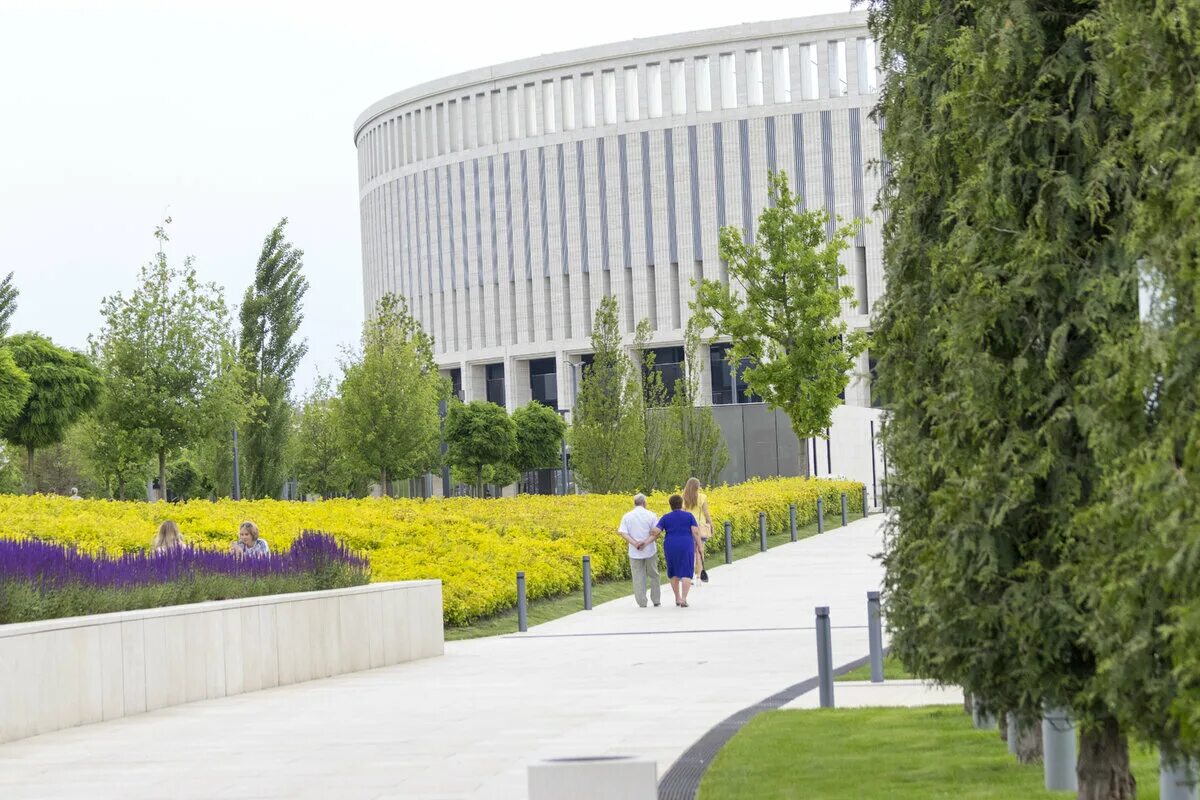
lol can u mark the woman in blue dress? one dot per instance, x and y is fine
(682, 537)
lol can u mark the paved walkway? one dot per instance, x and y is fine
(616, 680)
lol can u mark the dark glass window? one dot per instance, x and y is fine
(718, 370)
(744, 395)
(543, 381)
(494, 374)
(877, 400)
(668, 362)
(456, 383)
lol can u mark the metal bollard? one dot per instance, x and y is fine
(1176, 777)
(866, 510)
(762, 532)
(522, 609)
(1058, 751)
(875, 636)
(728, 542)
(820, 515)
(792, 520)
(845, 518)
(587, 583)
(824, 657)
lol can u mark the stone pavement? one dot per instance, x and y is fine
(616, 680)
(864, 694)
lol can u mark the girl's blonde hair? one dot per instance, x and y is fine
(250, 528)
(691, 493)
(168, 536)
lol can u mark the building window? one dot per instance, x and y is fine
(531, 115)
(809, 86)
(668, 363)
(589, 100)
(703, 84)
(548, 123)
(678, 88)
(568, 103)
(543, 381)
(456, 383)
(514, 114)
(728, 81)
(632, 112)
(726, 387)
(654, 90)
(781, 72)
(754, 68)
(494, 380)
(609, 80)
(868, 66)
(837, 68)
(497, 117)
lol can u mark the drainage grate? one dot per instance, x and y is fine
(683, 778)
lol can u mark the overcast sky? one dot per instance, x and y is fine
(229, 114)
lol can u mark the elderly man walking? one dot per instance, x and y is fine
(638, 529)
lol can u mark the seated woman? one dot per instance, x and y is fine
(249, 543)
(167, 538)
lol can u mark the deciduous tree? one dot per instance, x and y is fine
(323, 464)
(479, 436)
(539, 430)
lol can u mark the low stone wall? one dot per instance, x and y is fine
(60, 673)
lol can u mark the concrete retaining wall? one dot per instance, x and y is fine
(60, 673)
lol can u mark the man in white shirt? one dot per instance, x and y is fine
(638, 528)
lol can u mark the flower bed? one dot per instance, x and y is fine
(474, 546)
(45, 580)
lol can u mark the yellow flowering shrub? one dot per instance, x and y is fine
(474, 546)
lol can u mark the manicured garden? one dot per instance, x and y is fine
(894, 753)
(474, 546)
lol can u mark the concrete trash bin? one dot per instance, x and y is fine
(594, 778)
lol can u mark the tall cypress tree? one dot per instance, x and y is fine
(271, 315)
(1007, 201)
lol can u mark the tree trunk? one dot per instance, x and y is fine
(29, 484)
(1103, 766)
(120, 488)
(1002, 724)
(967, 709)
(162, 475)
(1029, 741)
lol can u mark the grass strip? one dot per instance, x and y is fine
(896, 753)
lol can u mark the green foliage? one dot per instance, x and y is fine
(479, 435)
(607, 429)
(540, 431)
(1006, 207)
(664, 464)
(116, 459)
(322, 461)
(1140, 573)
(64, 386)
(782, 309)
(704, 450)
(168, 360)
(15, 388)
(389, 396)
(8, 303)
(270, 318)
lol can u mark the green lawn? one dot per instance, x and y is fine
(893, 753)
(893, 670)
(550, 608)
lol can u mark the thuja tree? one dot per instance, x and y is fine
(664, 464)
(782, 309)
(608, 429)
(1006, 206)
(1143, 568)
(271, 351)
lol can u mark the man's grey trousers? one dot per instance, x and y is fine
(645, 569)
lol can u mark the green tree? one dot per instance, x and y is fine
(782, 309)
(664, 460)
(15, 388)
(479, 435)
(608, 427)
(116, 458)
(8, 303)
(539, 431)
(65, 385)
(270, 318)
(1006, 207)
(322, 462)
(389, 396)
(168, 360)
(703, 444)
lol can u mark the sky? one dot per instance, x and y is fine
(227, 115)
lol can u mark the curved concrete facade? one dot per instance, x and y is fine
(504, 202)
